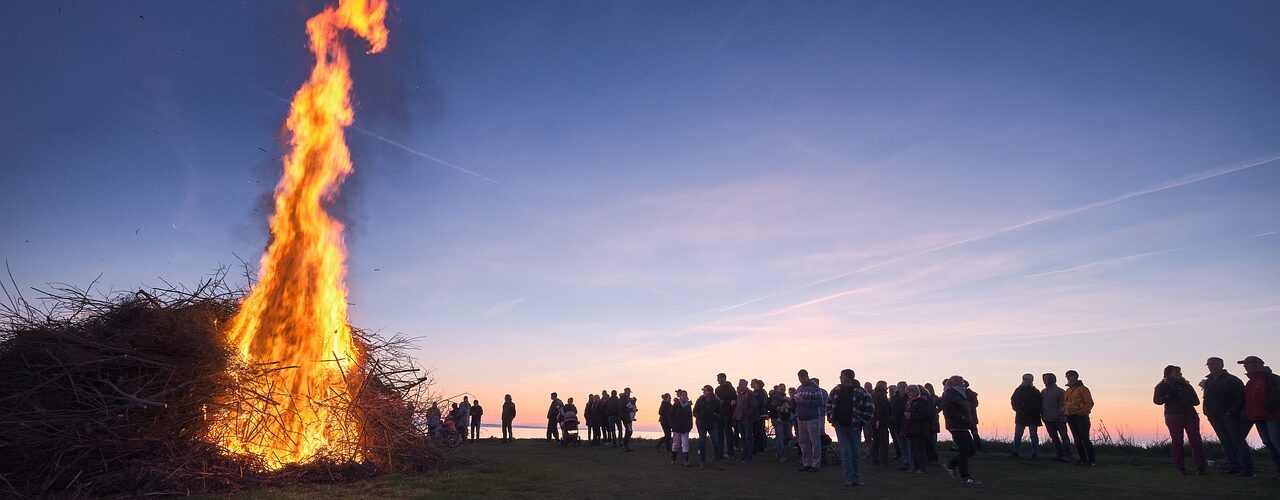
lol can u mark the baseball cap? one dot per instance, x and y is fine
(1250, 359)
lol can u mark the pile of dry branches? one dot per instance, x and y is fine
(114, 395)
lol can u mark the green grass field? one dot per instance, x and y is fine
(534, 469)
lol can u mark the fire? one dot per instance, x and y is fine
(295, 317)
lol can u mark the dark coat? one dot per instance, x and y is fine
(1223, 395)
(508, 410)
(681, 417)
(956, 410)
(1178, 397)
(918, 425)
(663, 410)
(613, 407)
(1026, 402)
(726, 394)
(972, 396)
(708, 412)
(897, 405)
(880, 399)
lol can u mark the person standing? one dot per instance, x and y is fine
(1055, 423)
(761, 404)
(663, 410)
(681, 418)
(628, 416)
(728, 401)
(706, 413)
(880, 424)
(935, 427)
(811, 402)
(851, 409)
(1077, 403)
(1224, 407)
(593, 424)
(1027, 403)
(973, 406)
(553, 418)
(897, 410)
(1262, 404)
(916, 426)
(780, 412)
(613, 411)
(1179, 400)
(508, 415)
(464, 417)
(745, 414)
(476, 413)
(956, 413)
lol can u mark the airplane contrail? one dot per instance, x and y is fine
(1155, 188)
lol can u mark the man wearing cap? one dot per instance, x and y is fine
(1224, 407)
(1262, 404)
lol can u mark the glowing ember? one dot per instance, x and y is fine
(296, 315)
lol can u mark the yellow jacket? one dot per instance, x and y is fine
(1077, 400)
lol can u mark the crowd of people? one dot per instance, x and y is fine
(727, 422)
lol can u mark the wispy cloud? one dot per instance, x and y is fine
(503, 306)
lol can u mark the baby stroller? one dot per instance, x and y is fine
(569, 426)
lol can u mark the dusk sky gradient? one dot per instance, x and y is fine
(571, 196)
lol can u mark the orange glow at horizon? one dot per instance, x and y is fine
(295, 317)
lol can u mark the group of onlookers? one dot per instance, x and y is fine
(463, 418)
(1233, 408)
(609, 417)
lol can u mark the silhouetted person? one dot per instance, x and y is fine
(935, 426)
(1026, 403)
(973, 405)
(508, 415)
(880, 424)
(1224, 407)
(476, 413)
(706, 412)
(1077, 403)
(628, 416)
(663, 412)
(851, 409)
(613, 408)
(1262, 404)
(916, 426)
(867, 430)
(762, 413)
(897, 409)
(781, 415)
(1180, 400)
(1055, 422)
(463, 417)
(553, 418)
(729, 434)
(681, 417)
(745, 414)
(811, 403)
(957, 412)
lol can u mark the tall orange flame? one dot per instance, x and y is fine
(296, 315)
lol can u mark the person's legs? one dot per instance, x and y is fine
(703, 434)
(1035, 440)
(726, 436)
(1244, 454)
(964, 446)
(1192, 425)
(1175, 425)
(1060, 427)
(626, 438)
(1017, 439)
(880, 446)
(1269, 431)
(931, 448)
(977, 440)
(748, 439)
(807, 429)
(1230, 452)
(897, 442)
(917, 451)
(849, 439)
(906, 452)
(1079, 425)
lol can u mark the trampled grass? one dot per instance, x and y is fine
(534, 469)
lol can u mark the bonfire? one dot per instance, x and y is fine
(173, 390)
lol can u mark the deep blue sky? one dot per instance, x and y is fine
(641, 188)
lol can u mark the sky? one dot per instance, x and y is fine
(576, 196)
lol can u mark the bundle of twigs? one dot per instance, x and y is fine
(114, 395)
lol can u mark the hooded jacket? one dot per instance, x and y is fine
(707, 410)
(956, 410)
(1027, 403)
(1051, 404)
(1262, 396)
(681, 416)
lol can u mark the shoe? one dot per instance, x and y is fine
(814, 469)
(782, 460)
(950, 470)
(850, 484)
(903, 467)
(805, 469)
(969, 481)
(917, 472)
(686, 463)
(1231, 471)
(1248, 474)
(673, 461)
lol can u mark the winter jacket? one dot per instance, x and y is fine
(850, 406)
(707, 410)
(613, 407)
(811, 402)
(1262, 396)
(897, 405)
(663, 412)
(880, 399)
(1076, 400)
(727, 395)
(681, 416)
(934, 410)
(1223, 395)
(973, 406)
(761, 403)
(1177, 396)
(747, 410)
(476, 413)
(956, 410)
(1051, 404)
(918, 424)
(1026, 402)
(508, 411)
(553, 411)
